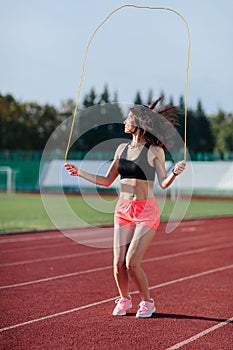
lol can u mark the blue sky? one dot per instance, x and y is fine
(43, 44)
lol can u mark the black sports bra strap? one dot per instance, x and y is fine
(124, 152)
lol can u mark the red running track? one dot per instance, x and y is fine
(58, 294)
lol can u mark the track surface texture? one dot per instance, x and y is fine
(59, 294)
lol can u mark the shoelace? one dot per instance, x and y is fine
(143, 306)
(120, 301)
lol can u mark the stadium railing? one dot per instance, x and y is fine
(26, 165)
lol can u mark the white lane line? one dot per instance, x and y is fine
(71, 239)
(156, 242)
(47, 279)
(38, 237)
(223, 268)
(164, 242)
(78, 231)
(185, 239)
(188, 229)
(108, 238)
(73, 243)
(58, 257)
(201, 334)
(39, 247)
(50, 236)
(192, 223)
(193, 251)
(56, 315)
(96, 240)
(164, 257)
(204, 273)
(73, 233)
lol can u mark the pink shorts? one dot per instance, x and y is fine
(145, 213)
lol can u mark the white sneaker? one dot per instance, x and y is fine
(146, 309)
(123, 304)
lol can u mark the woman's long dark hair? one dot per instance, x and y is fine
(156, 126)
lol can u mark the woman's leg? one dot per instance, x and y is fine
(137, 248)
(122, 238)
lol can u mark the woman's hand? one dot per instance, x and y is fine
(179, 168)
(72, 169)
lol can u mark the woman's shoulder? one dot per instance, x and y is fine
(156, 149)
(120, 149)
(155, 154)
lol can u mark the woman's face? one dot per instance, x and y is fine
(129, 124)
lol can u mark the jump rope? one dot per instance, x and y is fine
(85, 59)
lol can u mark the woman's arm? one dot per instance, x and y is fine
(166, 180)
(105, 180)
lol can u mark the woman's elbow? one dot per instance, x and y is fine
(163, 185)
(107, 183)
(103, 183)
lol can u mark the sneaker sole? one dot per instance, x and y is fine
(116, 314)
(146, 316)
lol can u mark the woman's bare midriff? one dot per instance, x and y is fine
(134, 189)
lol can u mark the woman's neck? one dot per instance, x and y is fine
(137, 138)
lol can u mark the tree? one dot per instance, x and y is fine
(90, 99)
(25, 126)
(66, 108)
(199, 134)
(163, 99)
(180, 117)
(171, 102)
(181, 103)
(150, 97)
(222, 128)
(205, 136)
(115, 97)
(100, 123)
(104, 97)
(138, 99)
(191, 131)
(12, 126)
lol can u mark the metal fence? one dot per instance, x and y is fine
(25, 165)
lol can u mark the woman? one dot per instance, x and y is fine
(137, 214)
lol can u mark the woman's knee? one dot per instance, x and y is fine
(119, 264)
(132, 264)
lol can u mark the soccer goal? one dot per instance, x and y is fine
(8, 179)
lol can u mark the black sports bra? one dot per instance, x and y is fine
(138, 168)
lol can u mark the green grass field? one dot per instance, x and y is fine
(25, 212)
